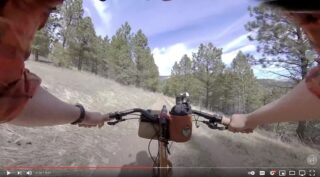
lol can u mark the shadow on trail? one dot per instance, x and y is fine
(140, 168)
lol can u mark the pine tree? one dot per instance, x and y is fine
(41, 44)
(71, 14)
(207, 66)
(102, 49)
(187, 81)
(147, 75)
(59, 56)
(246, 86)
(186, 73)
(173, 84)
(123, 69)
(282, 44)
(225, 85)
(53, 26)
(81, 44)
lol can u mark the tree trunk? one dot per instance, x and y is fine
(80, 63)
(138, 78)
(36, 55)
(300, 129)
(64, 41)
(207, 96)
(94, 67)
(304, 69)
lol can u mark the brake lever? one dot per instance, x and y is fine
(116, 122)
(217, 127)
(222, 128)
(112, 123)
(213, 125)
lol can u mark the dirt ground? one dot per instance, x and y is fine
(213, 152)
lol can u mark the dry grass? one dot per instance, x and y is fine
(72, 146)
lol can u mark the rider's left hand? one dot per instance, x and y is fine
(94, 119)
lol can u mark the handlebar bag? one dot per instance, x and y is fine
(180, 123)
(148, 129)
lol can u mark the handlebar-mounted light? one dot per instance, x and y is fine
(183, 98)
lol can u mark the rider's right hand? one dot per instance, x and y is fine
(240, 123)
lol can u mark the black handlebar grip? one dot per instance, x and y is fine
(113, 115)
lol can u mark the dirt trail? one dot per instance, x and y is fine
(120, 145)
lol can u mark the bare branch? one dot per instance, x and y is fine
(286, 76)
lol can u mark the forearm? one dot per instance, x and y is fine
(45, 109)
(299, 104)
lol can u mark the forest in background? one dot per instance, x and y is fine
(69, 40)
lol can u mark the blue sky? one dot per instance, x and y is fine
(178, 27)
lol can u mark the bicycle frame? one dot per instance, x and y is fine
(164, 165)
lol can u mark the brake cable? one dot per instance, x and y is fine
(169, 147)
(196, 120)
(121, 120)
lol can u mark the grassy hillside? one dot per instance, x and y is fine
(269, 83)
(117, 146)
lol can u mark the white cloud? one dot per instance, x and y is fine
(241, 43)
(216, 33)
(100, 7)
(231, 49)
(229, 56)
(237, 43)
(105, 17)
(166, 57)
(232, 28)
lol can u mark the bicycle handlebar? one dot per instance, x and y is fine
(145, 113)
(213, 119)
